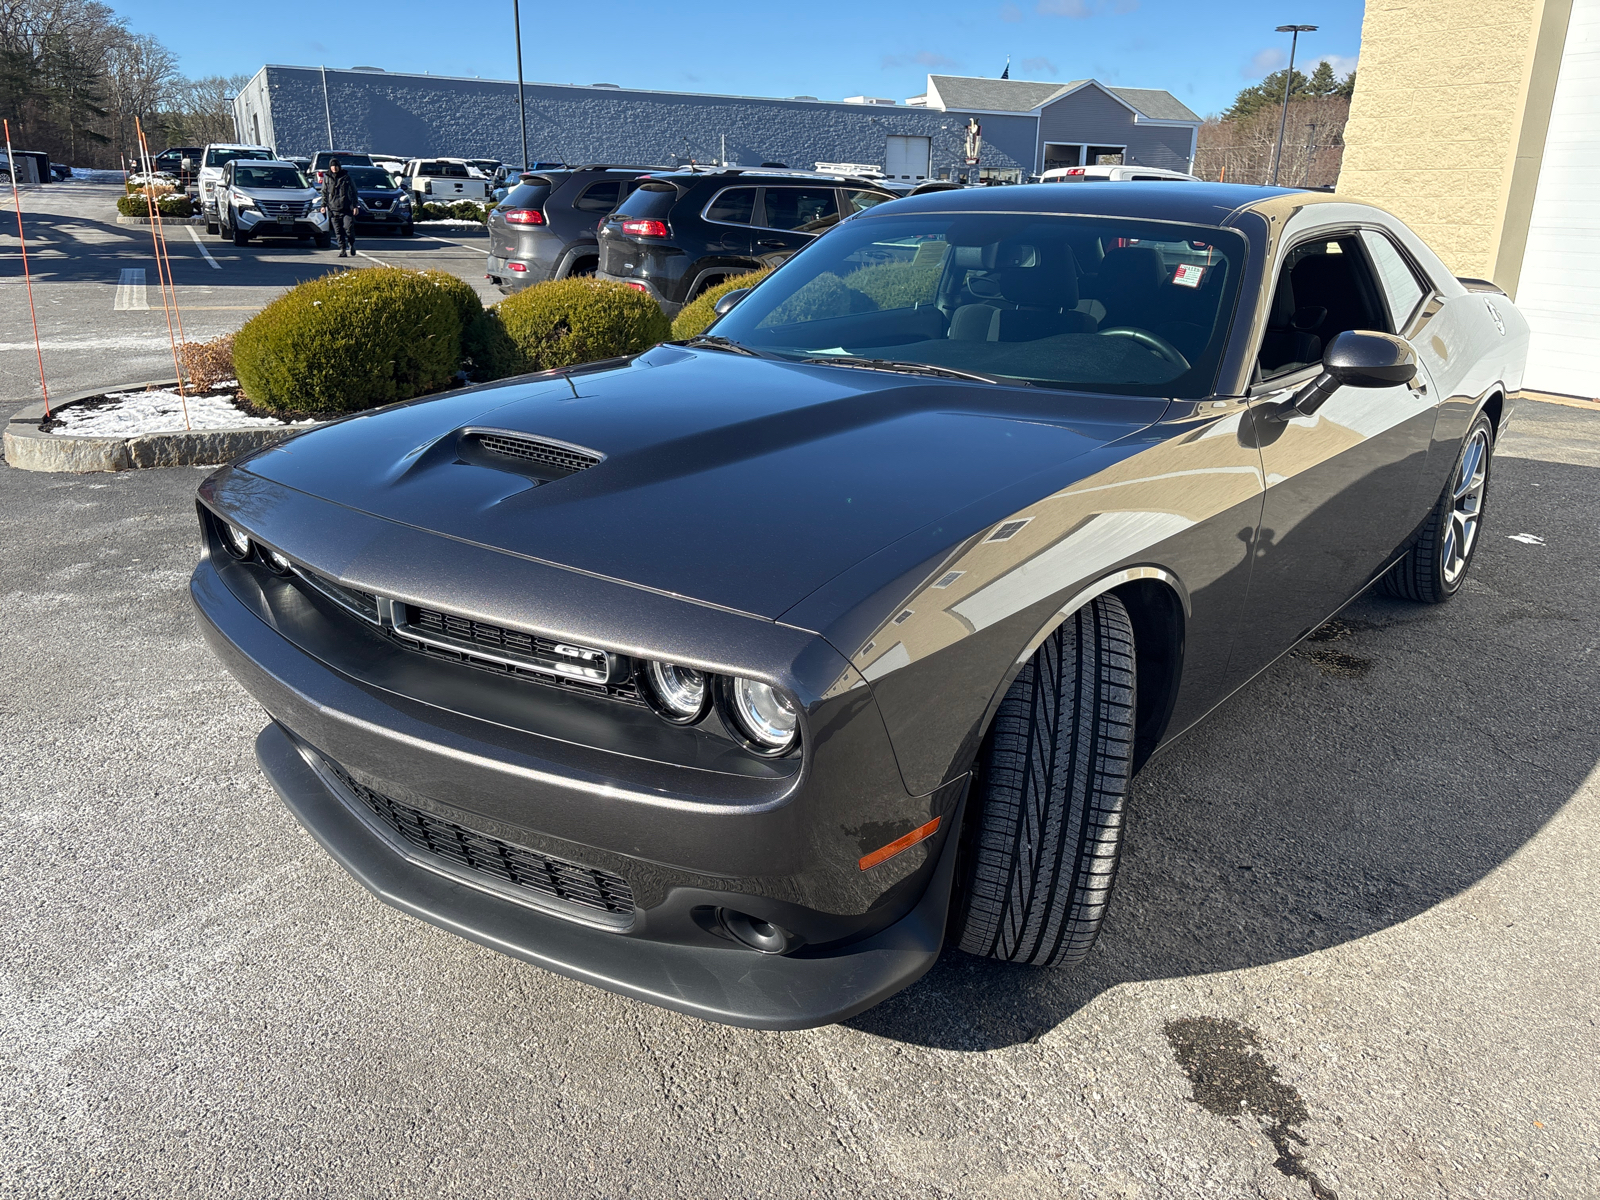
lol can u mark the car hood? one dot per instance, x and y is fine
(280, 194)
(739, 482)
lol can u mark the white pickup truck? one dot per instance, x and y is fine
(216, 156)
(443, 181)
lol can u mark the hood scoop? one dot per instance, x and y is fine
(544, 459)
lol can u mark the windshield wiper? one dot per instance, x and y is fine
(913, 368)
(713, 342)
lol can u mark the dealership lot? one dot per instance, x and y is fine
(1354, 953)
(98, 299)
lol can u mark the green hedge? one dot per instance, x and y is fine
(696, 316)
(458, 210)
(169, 206)
(570, 321)
(352, 340)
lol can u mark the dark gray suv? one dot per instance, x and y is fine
(546, 227)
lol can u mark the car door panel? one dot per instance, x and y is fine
(1342, 485)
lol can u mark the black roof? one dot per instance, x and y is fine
(1198, 203)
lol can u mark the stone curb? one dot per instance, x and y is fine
(30, 450)
(122, 220)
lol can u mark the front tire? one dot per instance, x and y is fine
(240, 237)
(1041, 850)
(1435, 567)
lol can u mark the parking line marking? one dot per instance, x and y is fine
(369, 258)
(130, 290)
(433, 237)
(214, 263)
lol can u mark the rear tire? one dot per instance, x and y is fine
(211, 227)
(324, 240)
(1041, 849)
(406, 231)
(1435, 567)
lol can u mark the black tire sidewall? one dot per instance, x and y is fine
(1447, 502)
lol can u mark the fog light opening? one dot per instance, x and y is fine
(759, 935)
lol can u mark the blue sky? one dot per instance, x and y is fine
(1203, 53)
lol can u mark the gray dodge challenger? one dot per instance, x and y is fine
(738, 675)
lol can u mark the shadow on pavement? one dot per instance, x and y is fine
(1329, 800)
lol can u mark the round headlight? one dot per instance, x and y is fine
(235, 539)
(273, 559)
(764, 715)
(677, 693)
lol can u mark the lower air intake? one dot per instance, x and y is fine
(541, 874)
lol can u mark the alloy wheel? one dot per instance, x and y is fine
(1466, 505)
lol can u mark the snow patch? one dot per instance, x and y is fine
(127, 414)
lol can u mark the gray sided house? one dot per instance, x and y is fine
(1027, 127)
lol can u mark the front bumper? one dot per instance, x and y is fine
(732, 986)
(391, 217)
(537, 772)
(261, 225)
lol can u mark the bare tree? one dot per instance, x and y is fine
(1241, 151)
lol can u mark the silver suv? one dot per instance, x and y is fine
(257, 198)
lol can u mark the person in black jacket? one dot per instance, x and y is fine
(339, 193)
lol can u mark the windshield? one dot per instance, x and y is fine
(1101, 303)
(370, 177)
(221, 158)
(268, 177)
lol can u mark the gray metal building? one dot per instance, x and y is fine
(1026, 127)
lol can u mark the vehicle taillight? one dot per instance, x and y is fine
(517, 266)
(645, 228)
(1074, 170)
(638, 287)
(523, 216)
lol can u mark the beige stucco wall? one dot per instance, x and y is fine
(1447, 125)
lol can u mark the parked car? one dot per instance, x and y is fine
(181, 162)
(260, 198)
(215, 157)
(443, 181)
(383, 201)
(1114, 174)
(735, 685)
(347, 158)
(681, 232)
(395, 164)
(60, 171)
(302, 161)
(487, 167)
(545, 227)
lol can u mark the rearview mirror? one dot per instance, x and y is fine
(1356, 358)
(726, 302)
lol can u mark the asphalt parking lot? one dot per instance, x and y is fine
(100, 327)
(1355, 952)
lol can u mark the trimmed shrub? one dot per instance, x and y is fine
(135, 205)
(696, 316)
(570, 321)
(350, 340)
(487, 351)
(207, 363)
(456, 210)
(461, 294)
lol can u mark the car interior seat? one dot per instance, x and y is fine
(1129, 285)
(1036, 298)
(1289, 342)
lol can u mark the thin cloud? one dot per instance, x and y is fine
(1265, 62)
(1342, 64)
(1010, 14)
(1077, 9)
(922, 58)
(1039, 64)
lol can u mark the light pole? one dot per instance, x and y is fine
(522, 107)
(1288, 82)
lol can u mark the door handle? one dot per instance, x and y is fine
(772, 245)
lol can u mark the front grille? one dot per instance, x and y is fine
(363, 604)
(464, 635)
(537, 450)
(292, 208)
(541, 874)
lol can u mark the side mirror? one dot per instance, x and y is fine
(727, 302)
(1356, 358)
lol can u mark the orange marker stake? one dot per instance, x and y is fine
(16, 199)
(161, 275)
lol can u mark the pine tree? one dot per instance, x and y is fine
(1267, 93)
(1323, 81)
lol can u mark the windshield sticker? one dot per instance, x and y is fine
(1188, 275)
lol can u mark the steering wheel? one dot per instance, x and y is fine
(1150, 341)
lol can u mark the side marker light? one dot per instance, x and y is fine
(884, 853)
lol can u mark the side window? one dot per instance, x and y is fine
(801, 209)
(861, 201)
(732, 207)
(599, 197)
(1400, 284)
(1324, 289)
